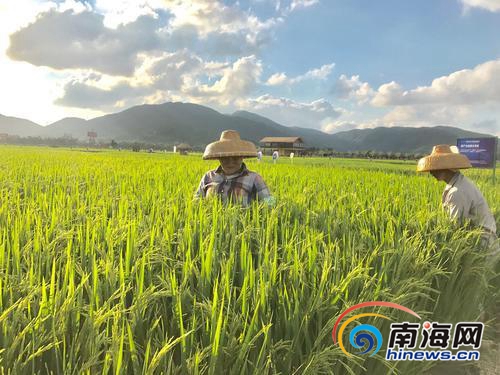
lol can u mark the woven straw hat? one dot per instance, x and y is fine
(230, 144)
(443, 157)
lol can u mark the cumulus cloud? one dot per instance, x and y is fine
(474, 118)
(68, 40)
(235, 81)
(226, 28)
(426, 115)
(491, 5)
(282, 79)
(110, 54)
(121, 12)
(333, 127)
(466, 87)
(77, 37)
(353, 88)
(293, 113)
(296, 4)
(467, 98)
(299, 4)
(168, 72)
(388, 94)
(209, 16)
(288, 6)
(84, 95)
(186, 76)
(277, 79)
(171, 70)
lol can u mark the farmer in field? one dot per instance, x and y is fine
(232, 181)
(461, 198)
(276, 155)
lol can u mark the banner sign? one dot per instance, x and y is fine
(480, 151)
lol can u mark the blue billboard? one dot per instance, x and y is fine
(480, 151)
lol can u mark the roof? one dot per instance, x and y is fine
(183, 146)
(282, 139)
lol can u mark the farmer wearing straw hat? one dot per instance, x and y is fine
(461, 198)
(232, 181)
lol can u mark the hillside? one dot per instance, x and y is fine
(172, 123)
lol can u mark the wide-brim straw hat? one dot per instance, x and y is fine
(230, 144)
(443, 157)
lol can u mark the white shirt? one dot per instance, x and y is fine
(463, 200)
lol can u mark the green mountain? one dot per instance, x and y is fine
(400, 139)
(313, 137)
(18, 126)
(172, 123)
(382, 139)
(73, 126)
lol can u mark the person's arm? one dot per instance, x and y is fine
(262, 191)
(200, 193)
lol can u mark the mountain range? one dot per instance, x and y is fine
(172, 123)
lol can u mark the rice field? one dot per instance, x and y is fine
(109, 266)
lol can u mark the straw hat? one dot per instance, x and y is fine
(443, 157)
(230, 144)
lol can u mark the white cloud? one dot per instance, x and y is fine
(96, 56)
(321, 73)
(35, 103)
(121, 12)
(235, 82)
(491, 5)
(353, 88)
(475, 118)
(73, 5)
(479, 85)
(388, 94)
(426, 115)
(109, 36)
(170, 70)
(17, 14)
(277, 79)
(297, 4)
(469, 98)
(71, 40)
(293, 113)
(318, 106)
(83, 95)
(334, 126)
(209, 16)
(288, 6)
(183, 76)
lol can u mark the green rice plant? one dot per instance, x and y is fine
(108, 264)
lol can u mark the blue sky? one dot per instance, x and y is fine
(332, 65)
(408, 41)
